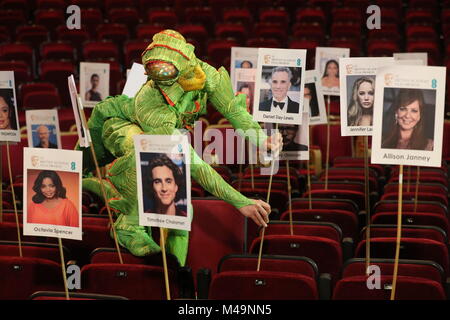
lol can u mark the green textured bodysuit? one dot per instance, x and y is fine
(159, 109)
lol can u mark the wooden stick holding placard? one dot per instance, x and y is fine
(14, 199)
(416, 193)
(367, 202)
(267, 201)
(399, 231)
(409, 179)
(327, 155)
(308, 169)
(291, 228)
(99, 176)
(162, 241)
(252, 177)
(241, 160)
(63, 268)
(309, 185)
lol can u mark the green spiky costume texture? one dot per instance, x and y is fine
(162, 106)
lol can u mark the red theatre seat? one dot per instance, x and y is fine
(58, 295)
(221, 227)
(58, 50)
(304, 228)
(41, 100)
(262, 285)
(100, 50)
(12, 18)
(20, 277)
(337, 204)
(408, 231)
(17, 51)
(411, 268)
(32, 34)
(165, 18)
(319, 138)
(50, 18)
(412, 218)
(45, 251)
(408, 288)
(57, 73)
(411, 248)
(50, 4)
(115, 32)
(110, 4)
(274, 263)
(127, 16)
(325, 252)
(346, 220)
(137, 282)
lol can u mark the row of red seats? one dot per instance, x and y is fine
(171, 15)
(328, 259)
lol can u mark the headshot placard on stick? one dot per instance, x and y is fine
(94, 82)
(295, 139)
(280, 82)
(409, 116)
(82, 131)
(135, 79)
(357, 86)
(242, 58)
(163, 175)
(9, 119)
(327, 64)
(43, 129)
(52, 193)
(313, 101)
(245, 83)
(408, 56)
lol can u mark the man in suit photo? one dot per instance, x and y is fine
(280, 84)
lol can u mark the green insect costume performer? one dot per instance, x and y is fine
(175, 95)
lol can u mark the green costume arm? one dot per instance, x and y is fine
(220, 93)
(111, 107)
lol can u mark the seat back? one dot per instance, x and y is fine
(410, 248)
(409, 231)
(411, 268)
(346, 220)
(412, 218)
(262, 285)
(325, 252)
(217, 230)
(138, 282)
(59, 295)
(408, 288)
(45, 251)
(305, 228)
(277, 263)
(21, 276)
